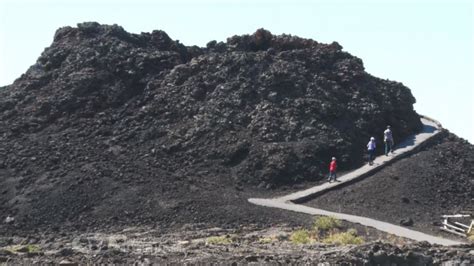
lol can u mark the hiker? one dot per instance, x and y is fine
(388, 139)
(371, 150)
(332, 170)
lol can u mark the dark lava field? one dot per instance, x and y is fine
(110, 129)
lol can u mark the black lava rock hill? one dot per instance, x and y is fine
(102, 106)
(273, 107)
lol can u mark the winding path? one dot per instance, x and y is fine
(410, 145)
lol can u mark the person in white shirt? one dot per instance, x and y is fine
(388, 139)
(371, 150)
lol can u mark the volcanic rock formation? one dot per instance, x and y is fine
(107, 122)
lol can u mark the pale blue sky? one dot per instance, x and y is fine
(426, 45)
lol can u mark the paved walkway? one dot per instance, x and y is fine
(430, 128)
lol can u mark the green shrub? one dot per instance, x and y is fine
(325, 223)
(219, 240)
(345, 238)
(301, 236)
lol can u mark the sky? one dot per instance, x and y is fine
(426, 45)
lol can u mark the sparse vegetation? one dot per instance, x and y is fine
(302, 236)
(325, 223)
(344, 238)
(219, 240)
(326, 229)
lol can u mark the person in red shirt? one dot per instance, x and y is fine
(332, 170)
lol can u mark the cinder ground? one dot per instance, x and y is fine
(195, 243)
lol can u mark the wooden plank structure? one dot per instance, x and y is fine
(455, 227)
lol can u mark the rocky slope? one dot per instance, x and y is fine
(436, 181)
(113, 128)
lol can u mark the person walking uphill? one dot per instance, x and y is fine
(371, 150)
(388, 139)
(332, 170)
